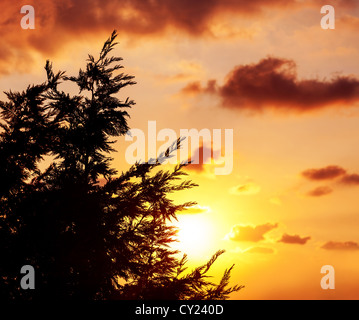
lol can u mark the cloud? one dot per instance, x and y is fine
(272, 83)
(262, 250)
(320, 191)
(350, 179)
(154, 16)
(203, 155)
(192, 88)
(327, 173)
(58, 23)
(294, 239)
(195, 87)
(348, 245)
(195, 210)
(250, 233)
(249, 188)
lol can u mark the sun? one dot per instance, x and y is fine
(194, 235)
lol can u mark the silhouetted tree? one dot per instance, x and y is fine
(86, 240)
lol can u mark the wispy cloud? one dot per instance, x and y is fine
(320, 191)
(333, 245)
(326, 173)
(250, 233)
(350, 179)
(195, 210)
(294, 239)
(248, 188)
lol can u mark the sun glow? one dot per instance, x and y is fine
(194, 235)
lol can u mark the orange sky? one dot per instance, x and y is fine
(267, 70)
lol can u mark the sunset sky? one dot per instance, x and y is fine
(266, 69)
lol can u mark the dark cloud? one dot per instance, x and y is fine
(250, 233)
(272, 83)
(348, 245)
(154, 16)
(203, 155)
(320, 191)
(58, 23)
(350, 179)
(294, 239)
(195, 87)
(327, 173)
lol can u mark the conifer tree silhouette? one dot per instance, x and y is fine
(85, 240)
